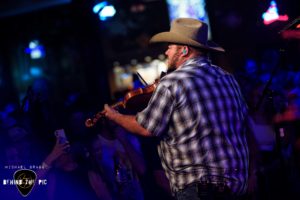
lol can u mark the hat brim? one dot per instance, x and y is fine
(170, 37)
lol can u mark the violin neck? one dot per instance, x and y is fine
(115, 105)
(118, 104)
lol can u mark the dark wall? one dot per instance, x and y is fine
(238, 27)
(74, 59)
(80, 49)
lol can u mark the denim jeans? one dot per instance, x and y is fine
(199, 191)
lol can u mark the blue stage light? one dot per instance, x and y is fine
(104, 10)
(107, 12)
(35, 50)
(35, 71)
(99, 6)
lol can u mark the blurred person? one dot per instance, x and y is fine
(17, 152)
(96, 173)
(74, 117)
(18, 136)
(261, 119)
(154, 181)
(21, 138)
(42, 111)
(263, 130)
(10, 157)
(119, 159)
(37, 103)
(200, 117)
(67, 175)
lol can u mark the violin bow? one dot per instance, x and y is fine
(143, 80)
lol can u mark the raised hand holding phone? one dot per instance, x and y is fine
(61, 146)
(61, 136)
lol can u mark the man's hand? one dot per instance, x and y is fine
(110, 113)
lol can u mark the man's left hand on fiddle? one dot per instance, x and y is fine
(110, 113)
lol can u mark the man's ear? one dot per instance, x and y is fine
(185, 51)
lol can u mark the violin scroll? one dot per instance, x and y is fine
(89, 123)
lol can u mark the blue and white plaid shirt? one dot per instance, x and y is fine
(199, 113)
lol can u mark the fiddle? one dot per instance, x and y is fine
(135, 100)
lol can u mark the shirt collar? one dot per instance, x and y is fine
(198, 60)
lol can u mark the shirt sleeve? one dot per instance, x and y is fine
(156, 116)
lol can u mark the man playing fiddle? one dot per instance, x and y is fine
(199, 115)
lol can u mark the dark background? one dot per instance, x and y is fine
(80, 49)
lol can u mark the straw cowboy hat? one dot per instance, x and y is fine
(187, 31)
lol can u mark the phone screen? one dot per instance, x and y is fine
(61, 136)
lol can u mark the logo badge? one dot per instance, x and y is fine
(25, 180)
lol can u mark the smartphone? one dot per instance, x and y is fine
(61, 136)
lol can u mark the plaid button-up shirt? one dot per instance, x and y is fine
(198, 112)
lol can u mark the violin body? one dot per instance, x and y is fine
(137, 100)
(134, 101)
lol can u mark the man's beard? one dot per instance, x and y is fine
(173, 62)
